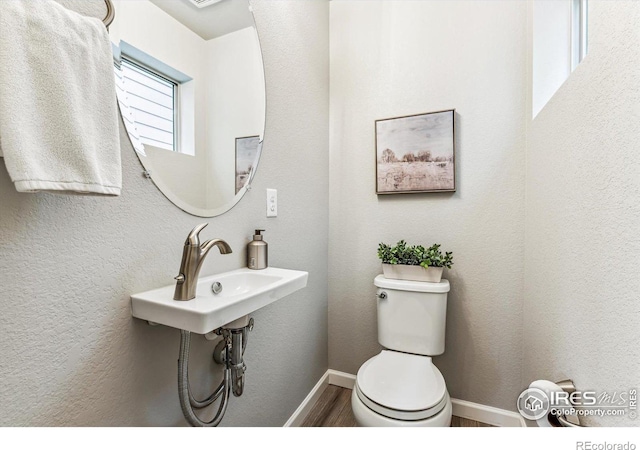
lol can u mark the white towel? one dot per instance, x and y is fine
(58, 110)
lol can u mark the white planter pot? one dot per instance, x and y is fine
(412, 273)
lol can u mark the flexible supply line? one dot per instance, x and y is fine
(184, 391)
(199, 404)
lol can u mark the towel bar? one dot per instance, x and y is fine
(111, 13)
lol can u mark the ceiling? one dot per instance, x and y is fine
(211, 21)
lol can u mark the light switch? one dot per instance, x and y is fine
(272, 203)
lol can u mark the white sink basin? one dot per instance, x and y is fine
(243, 292)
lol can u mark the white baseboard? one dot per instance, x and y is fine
(461, 408)
(334, 377)
(310, 400)
(487, 414)
(342, 379)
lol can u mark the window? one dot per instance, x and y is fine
(578, 32)
(157, 101)
(152, 98)
(559, 45)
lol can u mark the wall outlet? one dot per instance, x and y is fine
(272, 203)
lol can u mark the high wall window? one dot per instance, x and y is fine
(579, 32)
(560, 32)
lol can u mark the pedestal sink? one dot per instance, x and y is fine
(243, 292)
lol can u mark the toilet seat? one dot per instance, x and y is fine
(401, 386)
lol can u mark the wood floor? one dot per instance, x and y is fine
(333, 409)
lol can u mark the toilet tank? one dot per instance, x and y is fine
(412, 315)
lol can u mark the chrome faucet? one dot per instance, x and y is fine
(192, 257)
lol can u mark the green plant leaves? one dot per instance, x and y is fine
(415, 255)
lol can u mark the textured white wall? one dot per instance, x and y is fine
(71, 352)
(392, 58)
(583, 216)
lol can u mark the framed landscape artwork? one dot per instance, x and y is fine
(246, 151)
(416, 154)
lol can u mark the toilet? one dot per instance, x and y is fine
(401, 387)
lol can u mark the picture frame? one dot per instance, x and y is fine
(416, 153)
(247, 148)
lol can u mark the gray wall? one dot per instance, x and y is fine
(71, 354)
(394, 58)
(583, 216)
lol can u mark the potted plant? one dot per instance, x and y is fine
(414, 262)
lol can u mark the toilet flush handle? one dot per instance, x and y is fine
(382, 295)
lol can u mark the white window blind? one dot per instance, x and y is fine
(151, 99)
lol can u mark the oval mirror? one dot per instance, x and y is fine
(190, 84)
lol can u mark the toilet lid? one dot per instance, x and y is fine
(402, 386)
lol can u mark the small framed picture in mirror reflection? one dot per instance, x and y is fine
(246, 152)
(416, 154)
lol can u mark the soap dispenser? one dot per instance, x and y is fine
(257, 252)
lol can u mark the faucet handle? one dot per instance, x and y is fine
(194, 238)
